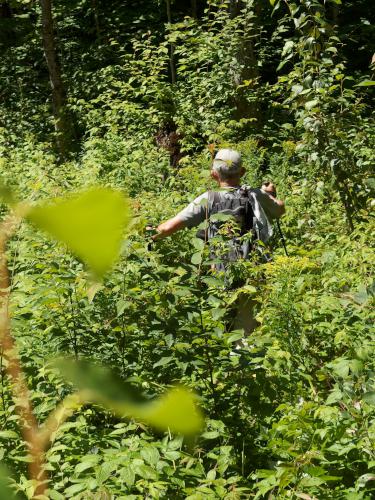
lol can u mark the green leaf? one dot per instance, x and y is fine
(234, 337)
(88, 462)
(6, 492)
(210, 435)
(365, 83)
(128, 476)
(120, 307)
(6, 194)
(163, 361)
(211, 475)
(311, 104)
(218, 313)
(93, 290)
(8, 435)
(175, 410)
(369, 397)
(104, 472)
(172, 455)
(340, 367)
(336, 395)
(288, 46)
(361, 296)
(297, 89)
(91, 224)
(75, 488)
(146, 472)
(220, 217)
(196, 258)
(198, 243)
(248, 290)
(150, 455)
(356, 366)
(54, 495)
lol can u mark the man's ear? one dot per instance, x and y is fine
(215, 175)
(242, 171)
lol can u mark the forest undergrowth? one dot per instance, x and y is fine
(293, 413)
(148, 93)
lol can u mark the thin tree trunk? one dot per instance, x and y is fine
(96, 17)
(5, 10)
(335, 13)
(6, 31)
(247, 61)
(63, 125)
(172, 47)
(194, 9)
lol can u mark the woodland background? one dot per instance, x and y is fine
(136, 95)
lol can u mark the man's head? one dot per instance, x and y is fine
(227, 166)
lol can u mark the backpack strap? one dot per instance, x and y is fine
(213, 199)
(249, 212)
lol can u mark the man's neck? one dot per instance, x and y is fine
(228, 184)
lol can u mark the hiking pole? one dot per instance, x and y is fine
(282, 237)
(273, 193)
(150, 232)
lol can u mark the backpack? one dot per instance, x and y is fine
(238, 242)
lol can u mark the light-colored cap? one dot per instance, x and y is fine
(227, 161)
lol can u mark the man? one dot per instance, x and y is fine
(227, 171)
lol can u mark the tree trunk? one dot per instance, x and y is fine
(247, 62)
(5, 10)
(335, 13)
(171, 48)
(194, 9)
(63, 125)
(7, 35)
(96, 17)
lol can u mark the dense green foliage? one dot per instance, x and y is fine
(149, 85)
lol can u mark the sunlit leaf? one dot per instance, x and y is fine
(175, 410)
(93, 290)
(91, 224)
(8, 435)
(365, 83)
(210, 435)
(163, 361)
(198, 243)
(196, 258)
(311, 104)
(128, 476)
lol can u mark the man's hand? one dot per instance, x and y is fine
(269, 188)
(168, 227)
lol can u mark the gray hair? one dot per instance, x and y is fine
(227, 163)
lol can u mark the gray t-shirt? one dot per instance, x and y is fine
(197, 211)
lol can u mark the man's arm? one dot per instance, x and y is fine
(168, 227)
(190, 216)
(273, 207)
